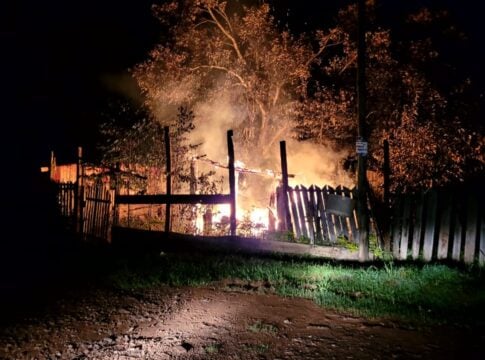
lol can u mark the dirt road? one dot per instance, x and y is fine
(230, 320)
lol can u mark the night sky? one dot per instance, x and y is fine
(70, 55)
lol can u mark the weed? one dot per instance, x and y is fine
(346, 243)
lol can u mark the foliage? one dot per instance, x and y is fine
(222, 50)
(426, 123)
(130, 137)
(346, 243)
(136, 142)
(277, 82)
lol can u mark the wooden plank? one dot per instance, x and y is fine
(396, 228)
(316, 218)
(343, 220)
(308, 213)
(294, 212)
(354, 225)
(405, 228)
(471, 229)
(301, 212)
(168, 171)
(481, 251)
(284, 175)
(280, 211)
(232, 183)
(98, 210)
(457, 236)
(417, 225)
(206, 199)
(105, 214)
(89, 211)
(430, 224)
(445, 225)
(350, 221)
(322, 215)
(330, 220)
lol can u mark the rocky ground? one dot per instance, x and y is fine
(230, 320)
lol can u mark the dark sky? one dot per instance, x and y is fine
(69, 51)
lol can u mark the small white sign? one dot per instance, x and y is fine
(361, 147)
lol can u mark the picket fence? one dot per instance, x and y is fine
(439, 224)
(323, 215)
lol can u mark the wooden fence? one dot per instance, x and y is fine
(438, 225)
(97, 212)
(66, 199)
(86, 210)
(320, 214)
(168, 199)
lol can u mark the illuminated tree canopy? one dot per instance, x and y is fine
(235, 53)
(278, 83)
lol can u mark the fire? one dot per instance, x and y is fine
(252, 220)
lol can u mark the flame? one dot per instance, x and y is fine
(251, 220)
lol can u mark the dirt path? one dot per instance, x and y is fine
(227, 321)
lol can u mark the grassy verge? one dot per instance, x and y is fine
(424, 294)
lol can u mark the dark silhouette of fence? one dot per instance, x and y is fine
(439, 224)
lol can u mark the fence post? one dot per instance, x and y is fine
(169, 177)
(362, 113)
(116, 208)
(232, 181)
(284, 174)
(386, 170)
(79, 198)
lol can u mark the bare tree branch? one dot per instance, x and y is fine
(226, 33)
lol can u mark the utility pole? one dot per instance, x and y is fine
(361, 144)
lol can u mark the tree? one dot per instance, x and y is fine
(276, 83)
(431, 140)
(221, 50)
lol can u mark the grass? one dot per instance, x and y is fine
(419, 293)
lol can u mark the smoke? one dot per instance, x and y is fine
(316, 164)
(309, 163)
(212, 120)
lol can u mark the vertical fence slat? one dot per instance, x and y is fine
(471, 229)
(481, 254)
(354, 224)
(344, 229)
(321, 211)
(308, 213)
(429, 230)
(294, 212)
(331, 226)
(301, 213)
(405, 228)
(445, 225)
(316, 217)
(417, 225)
(457, 217)
(396, 228)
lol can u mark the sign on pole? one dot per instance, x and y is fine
(361, 147)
